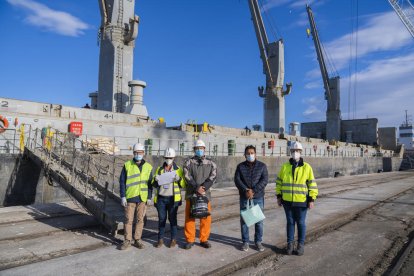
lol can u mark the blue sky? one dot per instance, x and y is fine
(201, 61)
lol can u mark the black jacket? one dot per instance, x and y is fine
(251, 176)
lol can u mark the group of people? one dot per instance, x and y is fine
(296, 191)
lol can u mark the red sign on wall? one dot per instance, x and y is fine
(76, 128)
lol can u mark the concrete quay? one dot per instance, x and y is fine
(349, 232)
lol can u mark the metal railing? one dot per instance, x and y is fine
(156, 147)
(10, 142)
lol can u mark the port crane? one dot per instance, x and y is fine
(272, 55)
(405, 11)
(330, 84)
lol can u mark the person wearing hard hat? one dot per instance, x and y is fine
(296, 190)
(251, 178)
(200, 174)
(136, 192)
(168, 196)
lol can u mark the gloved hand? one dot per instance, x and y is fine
(157, 177)
(177, 178)
(149, 202)
(124, 202)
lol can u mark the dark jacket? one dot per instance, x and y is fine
(251, 176)
(122, 184)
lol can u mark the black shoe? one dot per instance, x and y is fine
(300, 250)
(188, 245)
(289, 248)
(205, 244)
(260, 247)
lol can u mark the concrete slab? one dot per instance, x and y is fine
(39, 211)
(35, 228)
(354, 249)
(225, 239)
(54, 245)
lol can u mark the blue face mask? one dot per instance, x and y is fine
(199, 152)
(138, 157)
(250, 157)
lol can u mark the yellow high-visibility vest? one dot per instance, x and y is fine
(137, 181)
(177, 185)
(297, 188)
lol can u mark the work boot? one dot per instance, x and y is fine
(188, 245)
(245, 246)
(289, 248)
(159, 244)
(300, 250)
(173, 243)
(260, 247)
(139, 244)
(125, 245)
(205, 244)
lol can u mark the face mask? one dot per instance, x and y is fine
(168, 161)
(138, 157)
(199, 152)
(250, 157)
(295, 155)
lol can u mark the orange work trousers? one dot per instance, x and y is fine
(190, 225)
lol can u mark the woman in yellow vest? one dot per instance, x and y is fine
(136, 192)
(168, 196)
(296, 190)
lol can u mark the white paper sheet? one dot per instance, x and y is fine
(166, 178)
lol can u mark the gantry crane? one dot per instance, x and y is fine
(272, 55)
(331, 85)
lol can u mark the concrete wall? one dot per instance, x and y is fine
(323, 167)
(387, 137)
(364, 131)
(312, 129)
(22, 182)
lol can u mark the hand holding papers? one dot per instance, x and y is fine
(166, 179)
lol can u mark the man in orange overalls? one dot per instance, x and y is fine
(200, 174)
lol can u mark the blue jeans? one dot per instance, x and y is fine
(258, 227)
(295, 216)
(167, 206)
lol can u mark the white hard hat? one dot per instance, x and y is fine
(138, 147)
(169, 153)
(199, 143)
(296, 146)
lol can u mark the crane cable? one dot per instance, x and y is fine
(356, 59)
(271, 22)
(351, 41)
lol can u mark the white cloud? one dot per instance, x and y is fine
(314, 85)
(51, 20)
(382, 32)
(384, 90)
(269, 4)
(315, 108)
(294, 4)
(302, 3)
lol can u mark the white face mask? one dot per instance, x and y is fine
(168, 161)
(295, 155)
(250, 157)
